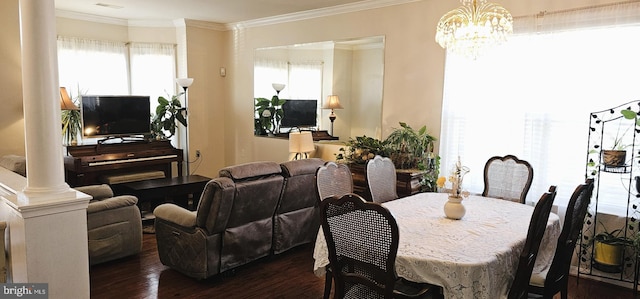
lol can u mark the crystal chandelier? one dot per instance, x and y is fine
(474, 27)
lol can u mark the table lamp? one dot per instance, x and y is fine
(65, 101)
(301, 143)
(333, 102)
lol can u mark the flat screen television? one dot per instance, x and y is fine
(299, 113)
(115, 116)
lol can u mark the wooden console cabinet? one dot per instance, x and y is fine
(407, 181)
(85, 164)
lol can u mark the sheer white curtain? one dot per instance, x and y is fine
(532, 97)
(93, 66)
(267, 72)
(305, 79)
(153, 70)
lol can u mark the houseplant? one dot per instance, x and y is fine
(168, 115)
(361, 149)
(406, 147)
(609, 247)
(71, 124)
(413, 149)
(268, 114)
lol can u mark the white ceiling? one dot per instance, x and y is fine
(218, 11)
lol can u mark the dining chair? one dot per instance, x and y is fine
(554, 279)
(362, 239)
(507, 178)
(537, 227)
(332, 179)
(381, 179)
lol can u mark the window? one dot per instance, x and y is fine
(532, 96)
(116, 68)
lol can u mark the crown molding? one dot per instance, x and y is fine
(199, 24)
(90, 18)
(316, 13)
(297, 16)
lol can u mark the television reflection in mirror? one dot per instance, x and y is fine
(300, 114)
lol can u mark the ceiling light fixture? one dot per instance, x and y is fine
(474, 27)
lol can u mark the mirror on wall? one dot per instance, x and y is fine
(292, 85)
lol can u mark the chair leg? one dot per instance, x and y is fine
(327, 284)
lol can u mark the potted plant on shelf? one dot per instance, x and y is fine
(609, 248)
(409, 149)
(413, 149)
(168, 115)
(616, 156)
(361, 149)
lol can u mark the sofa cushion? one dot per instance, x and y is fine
(17, 164)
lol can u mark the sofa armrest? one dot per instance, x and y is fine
(175, 214)
(111, 203)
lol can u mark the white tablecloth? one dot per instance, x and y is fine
(475, 257)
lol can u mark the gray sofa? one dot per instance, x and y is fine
(249, 212)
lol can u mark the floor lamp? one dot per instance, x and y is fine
(185, 83)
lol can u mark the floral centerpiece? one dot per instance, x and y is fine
(453, 208)
(455, 180)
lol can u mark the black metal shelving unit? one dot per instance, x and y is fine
(604, 127)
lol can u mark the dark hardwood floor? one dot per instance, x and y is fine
(288, 275)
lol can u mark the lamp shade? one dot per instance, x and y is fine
(300, 142)
(278, 86)
(65, 101)
(184, 82)
(332, 102)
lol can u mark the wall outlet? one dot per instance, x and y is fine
(197, 153)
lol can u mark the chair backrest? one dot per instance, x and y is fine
(362, 240)
(508, 178)
(381, 179)
(573, 222)
(537, 227)
(257, 192)
(333, 179)
(296, 220)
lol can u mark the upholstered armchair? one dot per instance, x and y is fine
(232, 226)
(114, 225)
(297, 218)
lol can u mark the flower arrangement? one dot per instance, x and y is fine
(455, 180)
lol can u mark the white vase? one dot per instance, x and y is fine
(454, 209)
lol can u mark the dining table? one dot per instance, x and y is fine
(473, 257)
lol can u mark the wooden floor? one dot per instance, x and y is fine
(289, 275)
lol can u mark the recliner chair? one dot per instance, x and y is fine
(232, 226)
(114, 225)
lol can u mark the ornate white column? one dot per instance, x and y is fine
(46, 219)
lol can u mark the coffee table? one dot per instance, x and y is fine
(175, 189)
